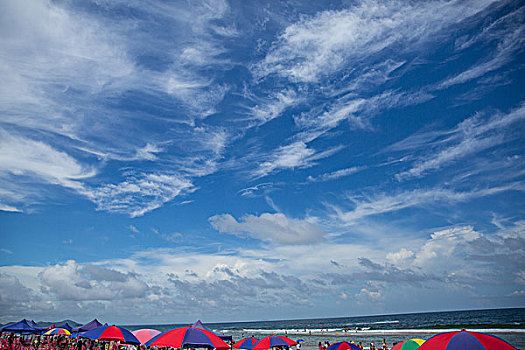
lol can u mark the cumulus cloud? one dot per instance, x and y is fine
(252, 280)
(71, 281)
(399, 258)
(270, 227)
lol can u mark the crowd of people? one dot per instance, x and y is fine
(12, 341)
(371, 346)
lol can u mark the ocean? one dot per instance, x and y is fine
(507, 324)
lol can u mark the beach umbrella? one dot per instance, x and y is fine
(273, 340)
(67, 326)
(465, 340)
(200, 325)
(246, 343)
(143, 335)
(189, 337)
(111, 333)
(54, 331)
(343, 345)
(410, 344)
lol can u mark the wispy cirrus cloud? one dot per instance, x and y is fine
(468, 138)
(317, 46)
(295, 155)
(508, 32)
(377, 204)
(334, 175)
(66, 86)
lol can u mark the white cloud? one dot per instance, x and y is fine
(71, 281)
(510, 41)
(334, 175)
(379, 204)
(271, 108)
(292, 156)
(9, 208)
(74, 67)
(468, 138)
(21, 156)
(148, 152)
(270, 227)
(138, 195)
(320, 45)
(449, 260)
(443, 244)
(399, 258)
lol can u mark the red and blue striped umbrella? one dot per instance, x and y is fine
(273, 340)
(246, 343)
(343, 345)
(111, 333)
(54, 331)
(465, 340)
(143, 335)
(190, 337)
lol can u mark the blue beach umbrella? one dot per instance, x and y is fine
(111, 333)
(343, 345)
(246, 343)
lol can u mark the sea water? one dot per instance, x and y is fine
(507, 324)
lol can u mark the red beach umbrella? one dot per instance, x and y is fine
(246, 343)
(410, 344)
(343, 345)
(111, 333)
(273, 340)
(465, 340)
(190, 337)
(143, 335)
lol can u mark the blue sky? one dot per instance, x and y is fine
(167, 161)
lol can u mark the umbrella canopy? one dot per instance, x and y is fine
(410, 344)
(111, 333)
(465, 340)
(54, 331)
(200, 325)
(88, 326)
(20, 327)
(343, 345)
(188, 337)
(67, 326)
(246, 343)
(143, 335)
(273, 340)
